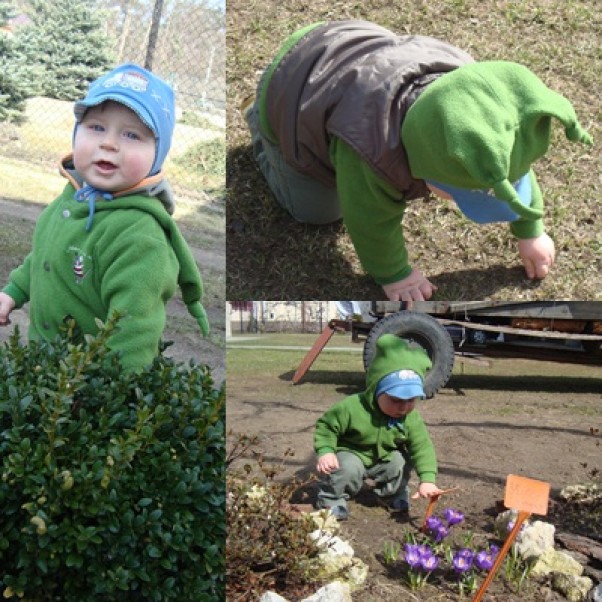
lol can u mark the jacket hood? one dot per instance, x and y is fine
(393, 354)
(483, 125)
(137, 197)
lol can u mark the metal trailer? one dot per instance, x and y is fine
(559, 331)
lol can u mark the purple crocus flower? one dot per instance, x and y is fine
(485, 558)
(430, 562)
(433, 523)
(440, 533)
(412, 555)
(462, 560)
(425, 550)
(453, 517)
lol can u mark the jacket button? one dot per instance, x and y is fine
(66, 213)
(46, 326)
(47, 266)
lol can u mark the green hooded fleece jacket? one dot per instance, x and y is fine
(356, 423)
(128, 255)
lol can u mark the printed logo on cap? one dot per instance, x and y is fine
(407, 375)
(128, 79)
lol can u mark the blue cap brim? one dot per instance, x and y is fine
(484, 208)
(81, 106)
(406, 391)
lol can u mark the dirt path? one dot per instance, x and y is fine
(182, 330)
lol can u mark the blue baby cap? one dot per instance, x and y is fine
(483, 207)
(401, 384)
(144, 93)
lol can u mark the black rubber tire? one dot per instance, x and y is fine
(423, 330)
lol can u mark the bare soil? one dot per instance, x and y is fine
(535, 419)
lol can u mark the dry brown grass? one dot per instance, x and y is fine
(269, 256)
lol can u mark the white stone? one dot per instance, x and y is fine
(333, 592)
(535, 539)
(573, 588)
(596, 594)
(583, 492)
(272, 597)
(356, 574)
(332, 544)
(332, 565)
(324, 520)
(555, 561)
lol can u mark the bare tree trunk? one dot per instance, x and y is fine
(125, 31)
(153, 35)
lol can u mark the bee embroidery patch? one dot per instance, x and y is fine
(81, 263)
(78, 268)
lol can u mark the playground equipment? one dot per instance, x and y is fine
(561, 331)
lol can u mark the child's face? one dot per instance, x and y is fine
(395, 407)
(113, 150)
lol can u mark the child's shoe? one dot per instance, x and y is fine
(399, 505)
(339, 512)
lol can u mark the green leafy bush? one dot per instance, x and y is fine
(111, 483)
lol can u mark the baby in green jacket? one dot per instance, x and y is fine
(108, 243)
(378, 434)
(354, 121)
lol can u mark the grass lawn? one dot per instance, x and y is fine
(270, 256)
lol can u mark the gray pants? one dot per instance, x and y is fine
(391, 479)
(306, 199)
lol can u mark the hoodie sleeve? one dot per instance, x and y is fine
(18, 286)
(372, 212)
(329, 428)
(524, 228)
(421, 448)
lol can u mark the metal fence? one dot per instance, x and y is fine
(183, 42)
(281, 316)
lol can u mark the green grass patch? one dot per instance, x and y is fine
(286, 359)
(23, 180)
(206, 160)
(197, 120)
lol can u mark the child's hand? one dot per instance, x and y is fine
(327, 463)
(537, 255)
(416, 287)
(7, 304)
(426, 490)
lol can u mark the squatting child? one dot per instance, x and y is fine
(378, 433)
(351, 120)
(108, 242)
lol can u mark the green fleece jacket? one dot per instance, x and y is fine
(131, 260)
(356, 423)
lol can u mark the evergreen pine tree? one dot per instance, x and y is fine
(66, 39)
(15, 75)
